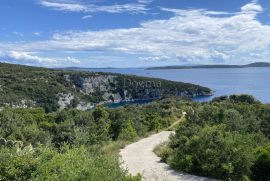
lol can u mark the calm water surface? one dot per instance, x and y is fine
(253, 81)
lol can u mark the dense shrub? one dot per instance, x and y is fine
(214, 152)
(227, 138)
(262, 164)
(128, 133)
(223, 139)
(68, 164)
(72, 144)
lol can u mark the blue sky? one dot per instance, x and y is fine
(134, 33)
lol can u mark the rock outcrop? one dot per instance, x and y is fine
(25, 87)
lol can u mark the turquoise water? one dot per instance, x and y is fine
(119, 104)
(253, 81)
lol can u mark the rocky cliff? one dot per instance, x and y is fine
(23, 86)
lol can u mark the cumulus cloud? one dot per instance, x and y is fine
(33, 58)
(92, 8)
(27, 56)
(192, 35)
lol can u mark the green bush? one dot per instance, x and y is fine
(219, 139)
(68, 164)
(128, 132)
(262, 164)
(213, 152)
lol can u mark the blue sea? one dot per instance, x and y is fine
(253, 81)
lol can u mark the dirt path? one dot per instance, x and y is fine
(140, 158)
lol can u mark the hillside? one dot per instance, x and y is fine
(24, 86)
(257, 64)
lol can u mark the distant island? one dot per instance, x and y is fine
(257, 64)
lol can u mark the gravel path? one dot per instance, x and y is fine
(140, 158)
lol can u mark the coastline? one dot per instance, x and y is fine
(119, 103)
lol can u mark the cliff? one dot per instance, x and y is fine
(24, 86)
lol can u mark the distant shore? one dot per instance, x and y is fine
(257, 64)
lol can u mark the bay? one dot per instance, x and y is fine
(253, 81)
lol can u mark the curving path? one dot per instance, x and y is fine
(140, 158)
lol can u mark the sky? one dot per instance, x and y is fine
(134, 33)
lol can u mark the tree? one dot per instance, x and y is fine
(233, 120)
(127, 133)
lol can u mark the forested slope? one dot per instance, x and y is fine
(24, 86)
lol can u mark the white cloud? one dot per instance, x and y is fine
(64, 6)
(32, 57)
(182, 12)
(92, 8)
(190, 35)
(155, 58)
(252, 7)
(73, 60)
(87, 17)
(28, 57)
(145, 1)
(36, 33)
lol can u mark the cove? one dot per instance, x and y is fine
(145, 101)
(126, 103)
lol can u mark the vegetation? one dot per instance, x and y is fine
(23, 86)
(227, 138)
(66, 164)
(261, 166)
(75, 145)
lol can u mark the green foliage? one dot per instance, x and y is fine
(68, 164)
(243, 99)
(127, 133)
(219, 139)
(216, 153)
(72, 144)
(227, 138)
(262, 164)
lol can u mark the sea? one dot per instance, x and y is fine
(223, 81)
